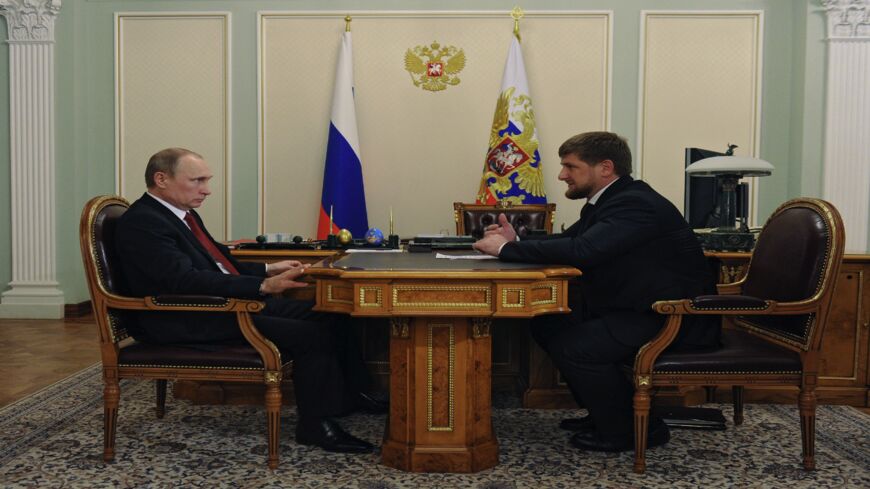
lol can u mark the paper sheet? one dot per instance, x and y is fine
(476, 256)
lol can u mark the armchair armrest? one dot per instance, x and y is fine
(198, 303)
(201, 303)
(729, 302)
(183, 303)
(732, 305)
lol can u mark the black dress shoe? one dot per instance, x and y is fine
(592, 441)
(328, 435)
(577, 424)
(372, 403)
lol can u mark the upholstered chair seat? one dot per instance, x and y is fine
(740, 352)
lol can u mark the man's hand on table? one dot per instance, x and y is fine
(284, 280)
(495, 236)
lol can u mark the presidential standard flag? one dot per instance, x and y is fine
(342, 178)
(512, 169)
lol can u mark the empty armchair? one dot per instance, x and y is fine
(779, 308)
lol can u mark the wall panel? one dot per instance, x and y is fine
(421, 150)
(700, 86)
(172, 89)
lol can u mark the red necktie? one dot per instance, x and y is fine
(208, 245)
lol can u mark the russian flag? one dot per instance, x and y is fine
(342, 178)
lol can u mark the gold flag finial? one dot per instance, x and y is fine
(517, 14)
(347, 20)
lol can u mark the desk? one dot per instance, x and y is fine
(440, 315)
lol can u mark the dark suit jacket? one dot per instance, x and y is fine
(634, 248)
(160, 255)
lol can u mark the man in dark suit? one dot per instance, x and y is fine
(165, 249)
(634, 248)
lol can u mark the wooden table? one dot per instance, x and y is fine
(440, 312)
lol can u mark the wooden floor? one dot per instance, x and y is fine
(35, 353)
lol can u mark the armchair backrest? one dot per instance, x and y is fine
(97, 239)
(796, 259)
(472, 219)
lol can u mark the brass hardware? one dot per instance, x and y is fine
(504, 298)
(379, 300)
(643, 380)
(480, 327)
(553, 294)
(442, 288)
(399, 327)
(272, 377)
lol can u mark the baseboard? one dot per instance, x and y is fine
(77, 310)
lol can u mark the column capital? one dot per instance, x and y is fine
(848, 19)
(30, 20)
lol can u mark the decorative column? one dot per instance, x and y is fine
(846, 170)
(34, 289)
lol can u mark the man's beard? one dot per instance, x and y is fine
(576, 193)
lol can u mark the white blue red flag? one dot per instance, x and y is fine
(343, 190)
(512, 168)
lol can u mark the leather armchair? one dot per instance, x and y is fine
(472, 219)
(779, 310)
(258, 361)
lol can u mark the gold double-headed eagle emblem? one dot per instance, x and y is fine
(434, 67)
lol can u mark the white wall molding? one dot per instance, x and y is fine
(34, 289)
(30, 20)
(848, 19)
(846, 166)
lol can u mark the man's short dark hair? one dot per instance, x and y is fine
(165, 161)
(595, 147)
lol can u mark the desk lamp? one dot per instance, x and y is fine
(729, 235)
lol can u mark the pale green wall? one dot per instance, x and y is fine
(5, 197)
(792, 114)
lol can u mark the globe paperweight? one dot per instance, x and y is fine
(374, 237)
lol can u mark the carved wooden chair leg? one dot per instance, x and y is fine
(737, 400)
(710, 391)
(160, 388)
(807, 408)
(111, 399)
(273, 419)
(641, 425)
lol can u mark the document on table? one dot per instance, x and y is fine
(373, 250)
(475, 256)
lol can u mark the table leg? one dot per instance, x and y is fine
(440, 396)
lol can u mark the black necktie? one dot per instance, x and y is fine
(587, 209)
(585, 217)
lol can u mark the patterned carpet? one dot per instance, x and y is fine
(54, 439)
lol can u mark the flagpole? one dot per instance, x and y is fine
(517, 14)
